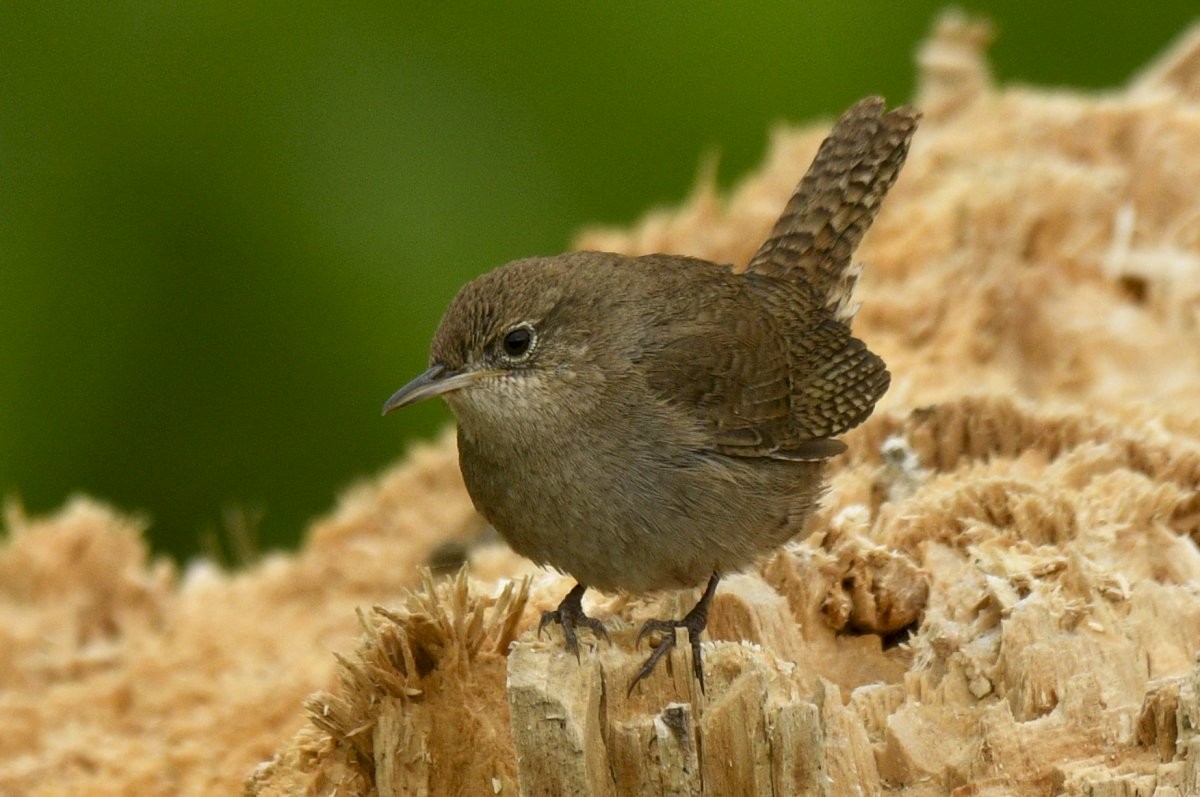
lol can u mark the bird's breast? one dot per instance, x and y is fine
(621, 504)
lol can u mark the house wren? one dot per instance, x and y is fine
(650, 422)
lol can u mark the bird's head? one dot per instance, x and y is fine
(511, 342)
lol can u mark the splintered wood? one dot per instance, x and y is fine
(1022, 618)
(1000, 594)
(750, 733)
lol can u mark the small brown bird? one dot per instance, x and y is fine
(650, 422)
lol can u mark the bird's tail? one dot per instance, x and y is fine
(836, 202)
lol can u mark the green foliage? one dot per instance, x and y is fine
(227, 230)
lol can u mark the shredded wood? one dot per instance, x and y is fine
(1000, 594)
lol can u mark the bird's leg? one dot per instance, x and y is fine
(694, 621)
(570, 616)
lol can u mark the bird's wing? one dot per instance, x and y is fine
(769, 365)
(835, 379)
(735, 364)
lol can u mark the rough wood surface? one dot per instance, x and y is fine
(1001, 595)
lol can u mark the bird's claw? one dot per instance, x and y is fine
(570, 616)
(693, 624)
(694, 621)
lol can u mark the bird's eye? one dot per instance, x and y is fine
(518, 342)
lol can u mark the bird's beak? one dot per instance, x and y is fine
(434, 382)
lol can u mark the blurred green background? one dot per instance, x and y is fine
(227, 230)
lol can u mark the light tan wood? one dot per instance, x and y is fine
(750, 733)
(1000, 596)
(555, 705)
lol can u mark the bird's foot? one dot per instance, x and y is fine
(570, 616)
(694, 621)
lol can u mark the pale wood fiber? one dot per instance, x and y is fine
(1001, 594)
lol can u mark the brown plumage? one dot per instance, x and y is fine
(651, 422)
